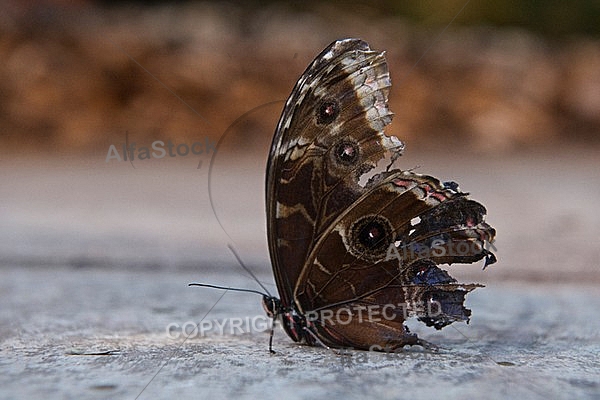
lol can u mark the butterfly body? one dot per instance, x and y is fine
(355, 252)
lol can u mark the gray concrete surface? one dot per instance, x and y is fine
(95, 259)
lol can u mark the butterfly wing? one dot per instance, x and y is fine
(331, 124)
(381, 256)
(339, 243)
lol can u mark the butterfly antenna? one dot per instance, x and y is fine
(247, 269)
(227, 288)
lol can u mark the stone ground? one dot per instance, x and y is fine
(95, 259)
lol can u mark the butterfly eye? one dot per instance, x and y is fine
(271, 305)
(371, 236)
(327, 112)
(346, 152)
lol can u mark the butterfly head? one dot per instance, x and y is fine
(272, 306)
(294, 323)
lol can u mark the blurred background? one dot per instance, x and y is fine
(77, 75)
(502, 97)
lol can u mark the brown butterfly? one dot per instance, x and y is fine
(354, 252)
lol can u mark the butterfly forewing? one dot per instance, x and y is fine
(315, 145)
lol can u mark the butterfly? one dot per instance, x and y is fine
(355, 252)
(355, 243)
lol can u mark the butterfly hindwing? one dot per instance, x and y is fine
(376, 256)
